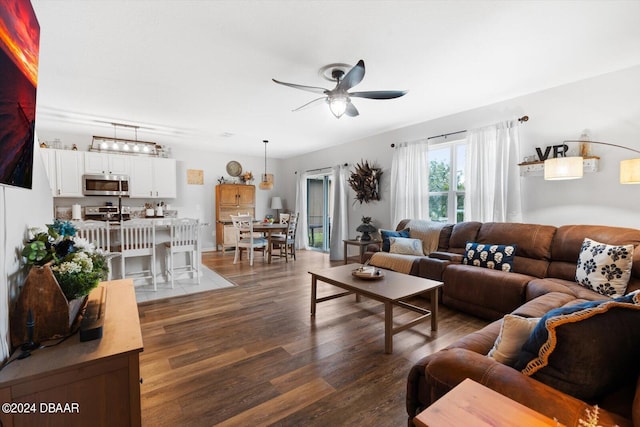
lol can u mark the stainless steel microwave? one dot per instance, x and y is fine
(105, 185)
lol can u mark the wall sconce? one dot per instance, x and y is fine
(571, 167)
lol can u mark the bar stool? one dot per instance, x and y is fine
(184, 238)
(138, 239)
(97, 233)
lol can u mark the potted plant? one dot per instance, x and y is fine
(365, 228)
(63, 270)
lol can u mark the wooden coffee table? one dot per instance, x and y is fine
(391, 290)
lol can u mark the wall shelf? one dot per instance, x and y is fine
(590, 164)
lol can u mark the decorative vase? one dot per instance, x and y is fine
(53, 314)
(365, 228)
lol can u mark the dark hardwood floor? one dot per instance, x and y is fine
(252, 355)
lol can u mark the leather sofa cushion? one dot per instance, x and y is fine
(568, 241)
(538, 287)
(462, 233)
(533, 240)
(533, 244)
(484, 292)
(541, 305)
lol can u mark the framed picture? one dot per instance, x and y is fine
(19, 50)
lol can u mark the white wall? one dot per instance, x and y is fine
(198, 201)
(19, 210)
(606, 105)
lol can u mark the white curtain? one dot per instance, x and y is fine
(340, 214)
(410, 182)
(302, 239)
(492, 181)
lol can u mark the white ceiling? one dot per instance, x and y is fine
(199, 72)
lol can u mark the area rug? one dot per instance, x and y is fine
(209, 280)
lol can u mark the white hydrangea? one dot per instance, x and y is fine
(67, 267)
(82, 244)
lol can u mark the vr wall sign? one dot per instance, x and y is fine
(559, 150)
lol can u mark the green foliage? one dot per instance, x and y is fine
(36, 253)
(438, 176)
(440, 181)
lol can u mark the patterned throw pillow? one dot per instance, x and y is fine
(404, 246)
(603, 268)
(386, 245)
(497, 257)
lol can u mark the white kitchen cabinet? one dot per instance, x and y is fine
(152, 178)
(64, 169)
(164, 177)
(108, 164)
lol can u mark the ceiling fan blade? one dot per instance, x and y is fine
(379, 94)
(324, 98)
(352, 78)
(351, 110)
(313, 89)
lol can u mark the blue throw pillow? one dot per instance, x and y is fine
(386, 244)
(497, 257)
(585, 350)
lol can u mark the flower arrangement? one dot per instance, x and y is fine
(76, 264)
(247, 177)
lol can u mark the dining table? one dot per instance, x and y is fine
(269, 229)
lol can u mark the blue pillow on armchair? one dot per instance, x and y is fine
(385, 234)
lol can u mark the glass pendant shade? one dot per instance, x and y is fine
(561, 168)
(265, 184)
(338, 105)
(630, 171)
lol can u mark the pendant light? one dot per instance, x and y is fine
(265, 184)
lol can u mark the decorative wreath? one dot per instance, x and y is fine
(365, 182)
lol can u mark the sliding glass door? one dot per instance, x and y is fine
(319, 208)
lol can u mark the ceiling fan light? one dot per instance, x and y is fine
(338, 105)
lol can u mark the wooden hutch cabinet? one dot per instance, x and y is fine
(232, 199)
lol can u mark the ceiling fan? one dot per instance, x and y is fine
(339, 98)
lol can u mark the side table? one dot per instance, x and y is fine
(472, 404)
(362, 244)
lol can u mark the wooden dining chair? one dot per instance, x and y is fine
(286, 243)
(245, 237)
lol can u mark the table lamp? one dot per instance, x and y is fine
(276, 203)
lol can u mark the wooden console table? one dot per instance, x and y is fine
(93, 383)
(472, 404)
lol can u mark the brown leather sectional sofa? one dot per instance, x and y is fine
(543, 278)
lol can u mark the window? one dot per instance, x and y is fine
(446, 181)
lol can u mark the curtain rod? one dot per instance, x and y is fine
(321, 169)
(521, 120)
